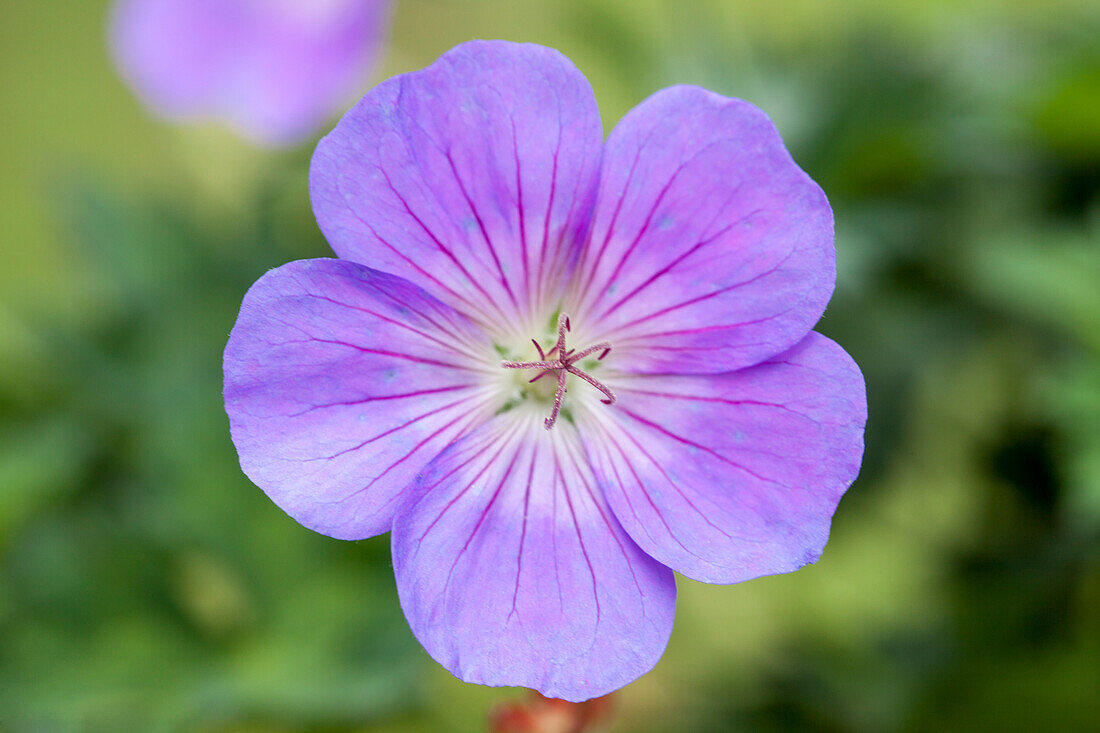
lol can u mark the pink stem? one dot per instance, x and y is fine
(592, 350)
(595, 383)
(558, 399)
(531, 364)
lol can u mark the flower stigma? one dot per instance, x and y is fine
(565, 363)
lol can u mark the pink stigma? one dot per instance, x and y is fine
(564, 364)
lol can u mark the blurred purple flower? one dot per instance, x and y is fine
(473, 205)
(273, 69)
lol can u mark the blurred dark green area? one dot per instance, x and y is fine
(146, 585)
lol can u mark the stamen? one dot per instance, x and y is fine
(564, 364)
(559, 397)
(606, 347)
(609, 396)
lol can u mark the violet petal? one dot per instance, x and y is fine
(733, 476)
(274, 69)
(340, 384)
(711, 250)
(473, 177)
(512, 570)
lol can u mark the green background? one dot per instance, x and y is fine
(146, 585)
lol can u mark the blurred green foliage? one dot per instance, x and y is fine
(146, 585)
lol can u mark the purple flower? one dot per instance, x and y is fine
(494, 253)
(273, 69)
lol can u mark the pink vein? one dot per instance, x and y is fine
(480, 452)
(615, 215)
(522, 218)
(701, 298)
(523, 531)
(722, 400)
(439, 245)
(607, 522)
(685, 441)
(400, 324)
(665, 270)
(580, 539)
(671, 483)
(383, 434)
(481, 227)
(549, 212)
(401, 254)
(381, 398)
(645, 492)
(480, 520)
(403, 458)
(395, 354)
(646, 223)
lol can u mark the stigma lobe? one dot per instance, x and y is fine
(565, 363)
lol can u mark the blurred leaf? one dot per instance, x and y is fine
(1047, 278)
(1068, 118)
(42, 464)
(1071, 395)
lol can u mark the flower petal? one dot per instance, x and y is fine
(710, 250)
(275, 70)
(512, 570)
(474, 177)
(305, 61)
(172, 51)
(729, 477)
(340, 384)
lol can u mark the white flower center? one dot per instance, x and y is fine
(555, 366)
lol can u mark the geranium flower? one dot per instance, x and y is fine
(557, 369)
(273, 69)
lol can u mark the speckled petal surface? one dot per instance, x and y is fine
(512, 570)
(730, 477)
(340, 384)
(711, 250)
(474, 177)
